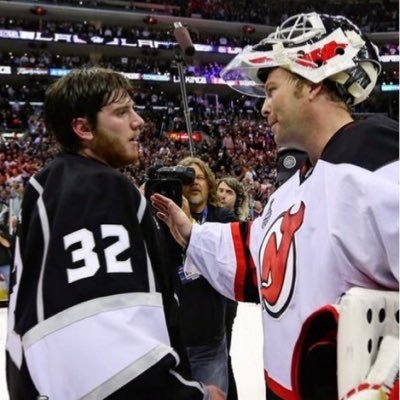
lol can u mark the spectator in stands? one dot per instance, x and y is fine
(232, 196)
(257, 209)
(227, 142)
(90, 269)
(5, 262)
(4, 204)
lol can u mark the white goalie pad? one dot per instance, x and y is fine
(350, 351)
(367, 342)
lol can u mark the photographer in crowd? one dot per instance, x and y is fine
(92, 309)
(202, 307)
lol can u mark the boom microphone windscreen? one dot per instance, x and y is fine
(183, 38)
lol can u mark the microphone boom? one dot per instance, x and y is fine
(183, 38)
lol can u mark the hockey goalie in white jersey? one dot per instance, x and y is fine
(331, 227)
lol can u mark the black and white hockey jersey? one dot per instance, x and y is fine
(324, 231)
(92, 310)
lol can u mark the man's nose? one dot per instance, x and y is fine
(137, 121)
(266, 108)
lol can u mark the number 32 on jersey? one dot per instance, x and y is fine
(91, 264)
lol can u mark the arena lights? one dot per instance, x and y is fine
(5, 70)
(150, 20)
(40, 11)
(248, 29)
(194, 80)
(391, 87)
(138, 43)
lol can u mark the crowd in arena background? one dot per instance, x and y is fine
(237, 143)
(149, 96)
(148, 65)
(39, 56)
(236, 139)
(378, 18)
(87, 29)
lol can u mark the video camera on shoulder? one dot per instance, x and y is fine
(168, 181)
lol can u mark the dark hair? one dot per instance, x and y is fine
(241, 207)
(81, 93)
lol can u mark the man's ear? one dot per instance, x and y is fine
(315, 89)
(82, 128)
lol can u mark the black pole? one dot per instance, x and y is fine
(186, 112)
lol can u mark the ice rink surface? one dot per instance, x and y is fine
(246, 353)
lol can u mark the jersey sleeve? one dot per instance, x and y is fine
(221, 254)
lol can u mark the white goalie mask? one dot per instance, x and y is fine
(315, 47)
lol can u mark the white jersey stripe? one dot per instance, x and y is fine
(141, 209)
(129, 373)
(89, 309)
(133, 338)
(46, 238)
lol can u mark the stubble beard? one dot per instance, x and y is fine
(115, 153)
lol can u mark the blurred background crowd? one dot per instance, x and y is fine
(42, 40)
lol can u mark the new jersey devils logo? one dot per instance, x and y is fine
(278, 266)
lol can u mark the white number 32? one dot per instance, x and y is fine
(86, 254)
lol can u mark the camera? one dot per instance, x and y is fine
(168, 181)
(184, 174)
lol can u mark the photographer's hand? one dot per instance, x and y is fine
(176, 219)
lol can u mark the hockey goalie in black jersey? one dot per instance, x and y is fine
(92, 308)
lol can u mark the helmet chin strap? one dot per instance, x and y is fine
(354, 85)
(359, 89)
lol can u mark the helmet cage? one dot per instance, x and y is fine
(298, 29)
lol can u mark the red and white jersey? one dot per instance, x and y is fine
(324, 231)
